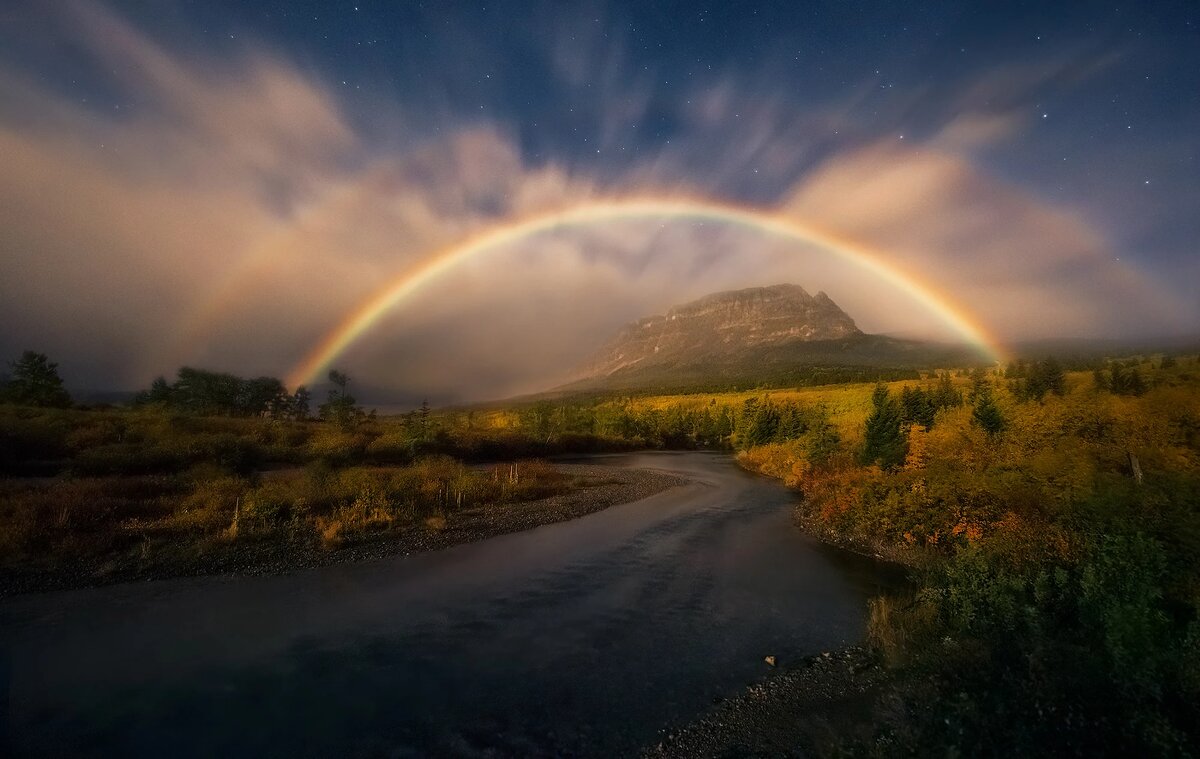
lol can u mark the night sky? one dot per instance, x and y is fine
(218, 183)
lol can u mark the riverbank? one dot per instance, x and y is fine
(813, 707)
(595, 487)
(809, 708)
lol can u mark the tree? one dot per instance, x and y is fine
(824, 441)
(199, 391)
(917, 406)
(340, 407)
(987, 414)
(884, 440)
(1043, 377)
(945, 396)
(262, 395)
(301, 402)
(1126, 381)
(35, 382)
(979, 378)
(204, 392)
(160, 393)
(423, 418)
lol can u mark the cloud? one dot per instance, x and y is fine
(1021, 263)
(228, 210)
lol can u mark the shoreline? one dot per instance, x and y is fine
(807, 707)
(606, 486)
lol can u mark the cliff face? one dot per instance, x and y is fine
(721, 325)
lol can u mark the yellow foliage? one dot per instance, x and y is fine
(961, 486)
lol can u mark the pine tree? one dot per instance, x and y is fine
(35, 382)
(423, 417)
(885, 441)
(824, 440)
(1127, 381)
(987, 414)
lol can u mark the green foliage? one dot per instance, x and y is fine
(921, 405)
(1050, 656)
(1126, 380)
(34, 381)
(884, 439)
(205, 393)
(1038, 378)
(987, 414)
(341, 408)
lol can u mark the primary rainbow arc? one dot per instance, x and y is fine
(363, 317)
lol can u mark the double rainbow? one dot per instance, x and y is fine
(362, 318)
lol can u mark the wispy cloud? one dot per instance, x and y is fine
(227, 210)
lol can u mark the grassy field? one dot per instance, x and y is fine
(115, 488)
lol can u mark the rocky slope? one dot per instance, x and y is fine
(775, 336)
(723, 324)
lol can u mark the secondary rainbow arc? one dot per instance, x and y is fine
(363, 317)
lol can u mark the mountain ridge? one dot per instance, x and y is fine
(771, 335)
(721, 323)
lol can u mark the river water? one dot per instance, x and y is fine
(579, 638)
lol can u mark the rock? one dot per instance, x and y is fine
(770, 660)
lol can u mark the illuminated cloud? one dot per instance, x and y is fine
(228, 211)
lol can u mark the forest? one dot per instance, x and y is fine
(1048, 513)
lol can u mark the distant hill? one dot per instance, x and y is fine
(760, 336)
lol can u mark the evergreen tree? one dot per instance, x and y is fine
(1041, 377)
(160, 393)
(917, 406)
(1052, 377)
(945, 395)
(979, 378)
(1127, 381)
(423, 420)
(884, 440)
(987, 414)
(340, 407)
(34, 381)
(824, 440)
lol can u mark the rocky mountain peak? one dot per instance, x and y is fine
(722, 324)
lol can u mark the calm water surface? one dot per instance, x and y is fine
(580, 638)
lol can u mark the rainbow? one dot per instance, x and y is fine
(362, 318)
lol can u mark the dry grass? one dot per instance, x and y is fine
(56, 521)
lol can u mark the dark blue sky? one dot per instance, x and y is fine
(1117, 121)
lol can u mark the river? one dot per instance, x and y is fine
(579, 638)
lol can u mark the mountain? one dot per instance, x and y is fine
(760, 336)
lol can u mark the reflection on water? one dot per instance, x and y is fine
(583, 637)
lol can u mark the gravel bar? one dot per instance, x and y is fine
(808, 709)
